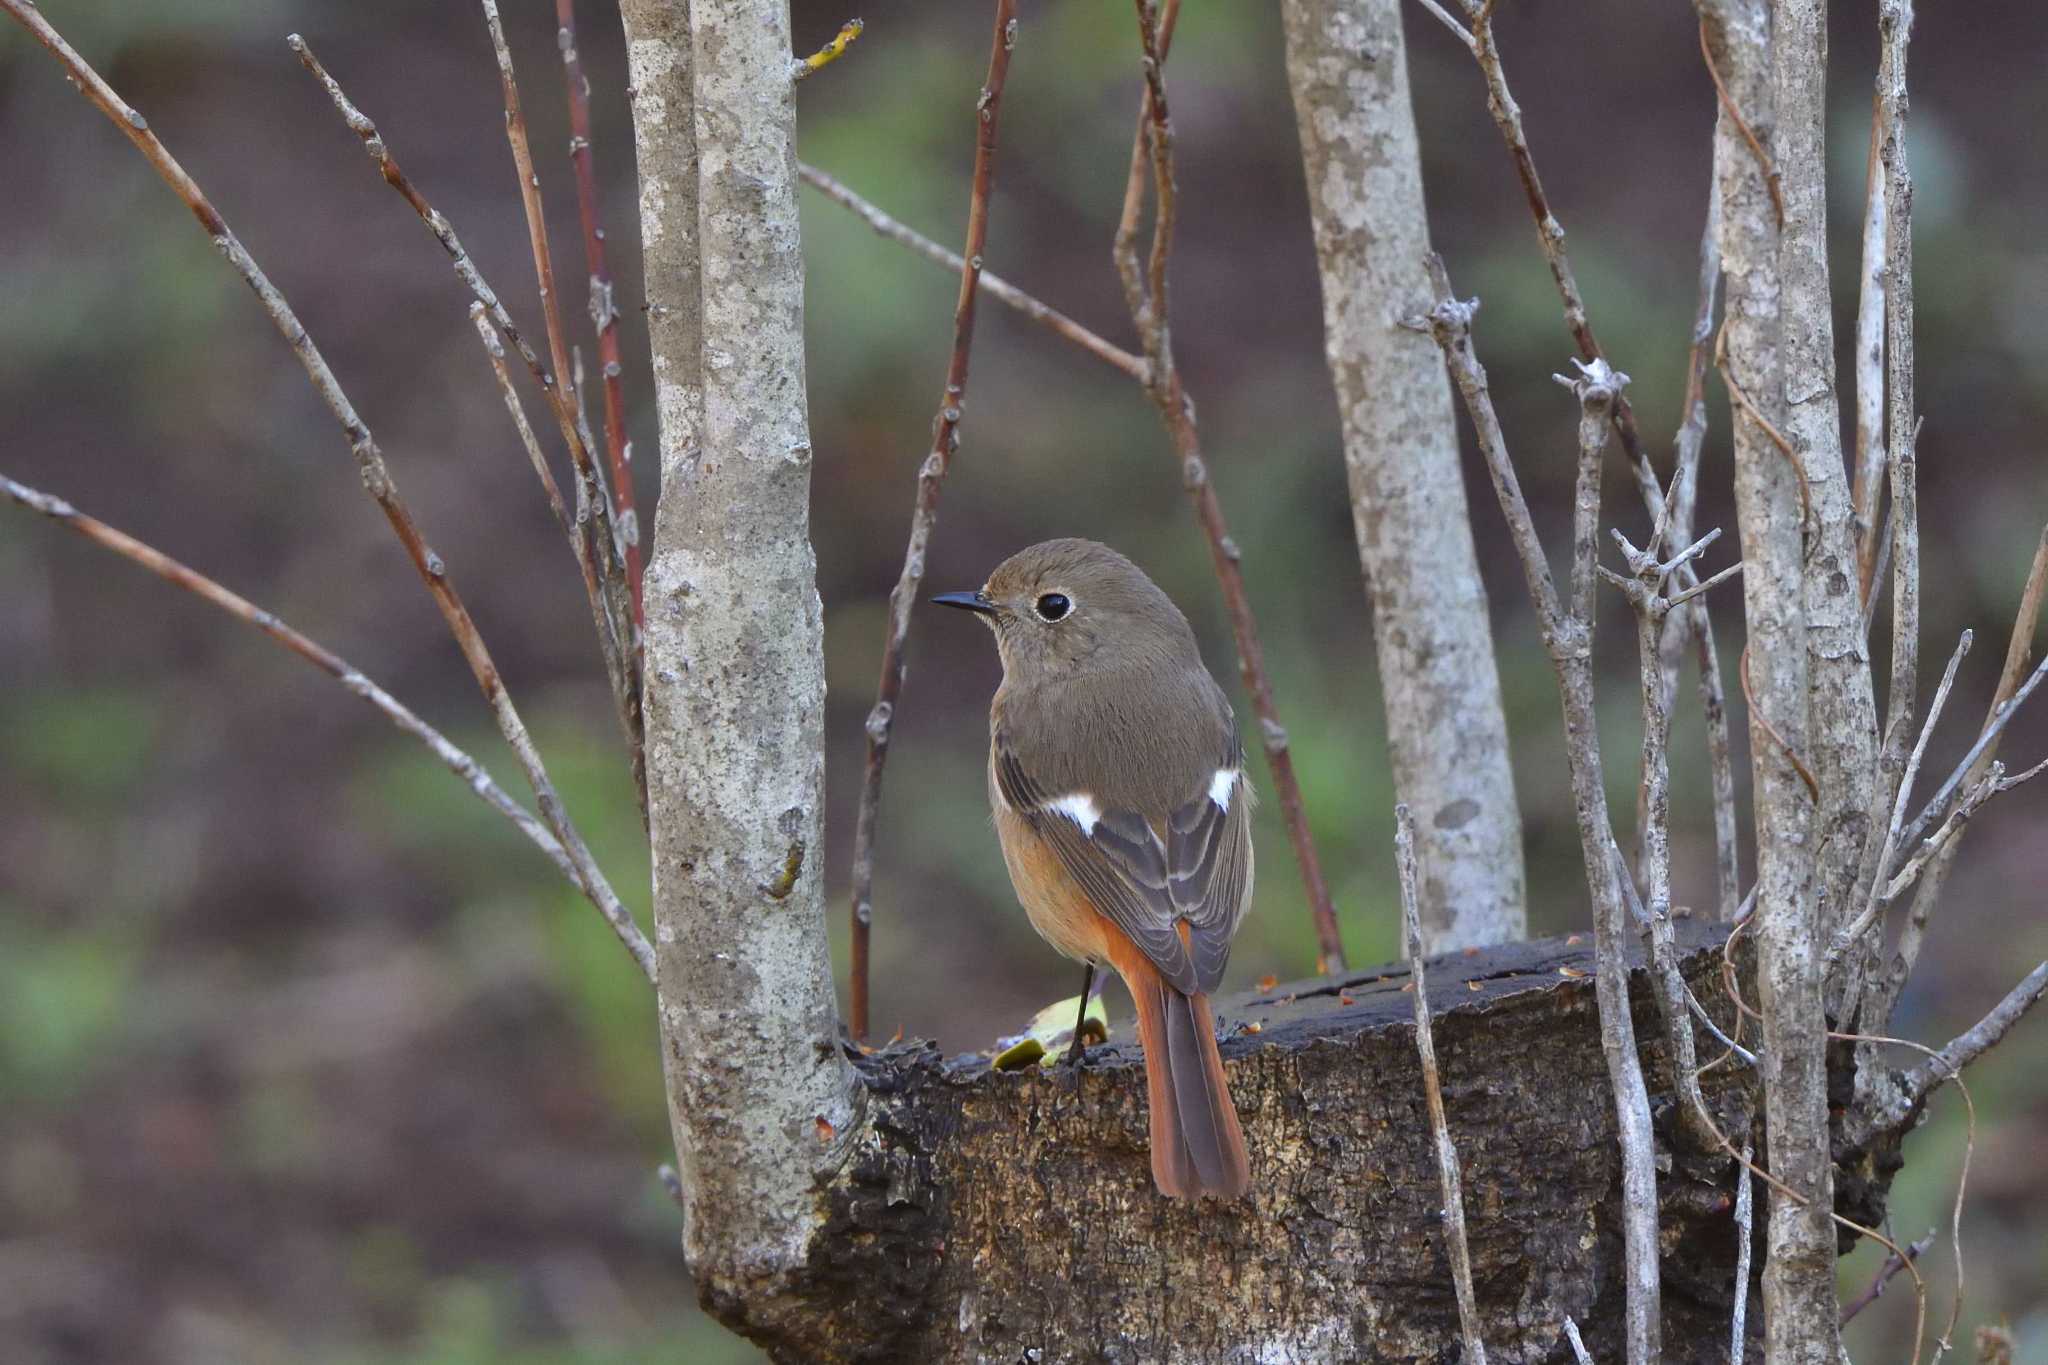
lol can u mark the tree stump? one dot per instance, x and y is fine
(1010, 1216)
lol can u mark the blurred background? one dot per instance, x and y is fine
(304, 1055)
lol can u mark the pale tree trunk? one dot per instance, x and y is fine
(1348, 68)
(761, 1100)
(1800, 1312)
(1842, 724)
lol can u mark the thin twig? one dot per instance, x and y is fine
(1955, 1308)
(1893, 1264)
(1571, 1331)
(2001, 714)
(1569, 642)
(1763, 160)
(1507, 117)
(1458, 1252)
(1867, 487)
(1443, 16)
(1550, 234)
(1917, 1085)
(369, 459)
(1745, 1236)
(575, 525)
(1054, 321)
(1146, 293)
(206, 589)
(2019, 647)
(610, 606)
(806, 67)
(1902, 432)
(1644, 592)
(606, 537)
(1880, 895)
(931, 480)
(604, 312)
(1695, 622)
(1777, 736)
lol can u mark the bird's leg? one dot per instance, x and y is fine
(1077, 1046)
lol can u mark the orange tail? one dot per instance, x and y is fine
(1197, 1145)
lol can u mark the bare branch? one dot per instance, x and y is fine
(1571, 1331)
(574, 527)
(604, 311)
(2018, 648)
(1867, 488)
(1444, 17)
(610, 607)
(1569, 641)
(1920, 1083)
(931, 480)
(206, 589)
(1054, 321)
(606, 540)
(1457, 1251)
(1644, 595)
(1902, 430)
(2001, 713)
(1880, 893)
(1145, 292)
(1507, 117)
(1745, 1197)
(369, 461)
(1892, 1265)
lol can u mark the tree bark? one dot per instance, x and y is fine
(993, 1216)
(1446, 730)
(1800, 1313)
(761, 1102)
(1842, 720)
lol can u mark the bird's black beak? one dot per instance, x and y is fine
(967, 601)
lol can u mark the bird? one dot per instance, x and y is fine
(1116, 775)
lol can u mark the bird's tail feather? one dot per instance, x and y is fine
(1197, 1144)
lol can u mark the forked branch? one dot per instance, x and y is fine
(376, 477)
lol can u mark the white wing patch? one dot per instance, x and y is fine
(1221, 786)
(1079, 807)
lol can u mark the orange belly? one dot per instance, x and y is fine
(1058, 908)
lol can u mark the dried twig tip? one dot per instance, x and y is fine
(1597, 382)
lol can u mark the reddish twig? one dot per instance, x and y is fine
(1507, 117)
(1763, 158)
(181, 575)
(1764, 723)
(1145, 289)
(605, 540)
(924, 513)
(596, 552)
(604, 312)
(1893, 1264)
(369, 458)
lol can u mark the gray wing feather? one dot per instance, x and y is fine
(1147, 886)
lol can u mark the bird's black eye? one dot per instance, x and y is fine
(1052, 606)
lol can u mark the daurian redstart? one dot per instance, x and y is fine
(1120, 797)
